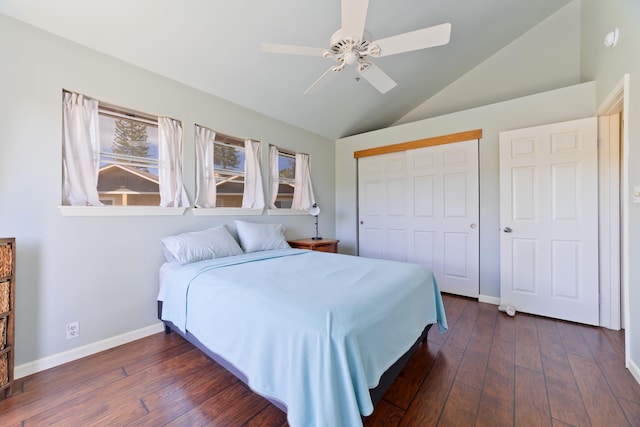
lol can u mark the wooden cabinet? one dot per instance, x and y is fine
(7, 312)
(322, 245)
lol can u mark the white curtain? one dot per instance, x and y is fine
(253, 196)
(274, 176)
(172, 192)
(205, 175)
(80, 151)
(303, 197)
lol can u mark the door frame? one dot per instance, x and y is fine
(609, 220)
(618, 102)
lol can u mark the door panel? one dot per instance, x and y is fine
(424, 248)
(565, 280)
(454, 186)
(523, 276)
(549, 220)
(396, 249)
(455, 255)
(523, 193)
(429, 203)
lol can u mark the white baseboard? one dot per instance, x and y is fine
(634, 369)
(489, 300)
(86, 350)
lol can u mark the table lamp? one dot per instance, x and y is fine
(314, 210)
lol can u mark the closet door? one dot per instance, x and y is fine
(422, 206)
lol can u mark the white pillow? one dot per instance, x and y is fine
(260, 237)
(214, 242)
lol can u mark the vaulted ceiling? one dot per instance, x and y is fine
(214, 46)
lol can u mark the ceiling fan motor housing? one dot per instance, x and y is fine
(348, 51)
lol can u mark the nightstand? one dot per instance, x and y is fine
(322, 245)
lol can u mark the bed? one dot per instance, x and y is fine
(321, 335)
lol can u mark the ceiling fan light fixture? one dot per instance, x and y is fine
(351, 57)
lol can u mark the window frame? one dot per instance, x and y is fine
(114, 111)
(221, 139)
(109, 158)
(285, 211)
(238, 144)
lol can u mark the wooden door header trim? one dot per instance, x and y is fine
(420, 143)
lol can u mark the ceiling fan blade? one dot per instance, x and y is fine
(378, 79)
(415, 40)
(354, 15)
(292, 50)
(322, 81)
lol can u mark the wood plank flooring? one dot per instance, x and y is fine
(487, 370)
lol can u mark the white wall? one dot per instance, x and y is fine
(102, 271)
(544, 58)
(606, 66)
(559, 105)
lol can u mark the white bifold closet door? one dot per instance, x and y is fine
(422, 206)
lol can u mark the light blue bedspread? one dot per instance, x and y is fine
(311, 329)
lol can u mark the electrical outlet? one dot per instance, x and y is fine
(73, 330)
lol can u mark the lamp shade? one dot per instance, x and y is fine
(314, 210)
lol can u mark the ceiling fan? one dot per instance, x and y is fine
(350, 45)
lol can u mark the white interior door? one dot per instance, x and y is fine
(422, 206)
(549, 220)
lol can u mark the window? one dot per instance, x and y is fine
(290, 180)
(227, 171)
(286, 179)
(115, 156)
(128, 174)
(228, 165)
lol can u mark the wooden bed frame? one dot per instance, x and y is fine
(377, 393)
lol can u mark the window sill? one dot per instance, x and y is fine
(277, 212)
(120, 211)
(226, 211)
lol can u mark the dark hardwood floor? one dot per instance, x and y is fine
(487, 370)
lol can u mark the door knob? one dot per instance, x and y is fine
(507, 230)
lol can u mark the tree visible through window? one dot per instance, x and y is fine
(286, 166)
(128, 172)
(228, 163)
(226, 157)
(131, 138)
(286, 179)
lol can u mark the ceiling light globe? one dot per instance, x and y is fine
(350, 58)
